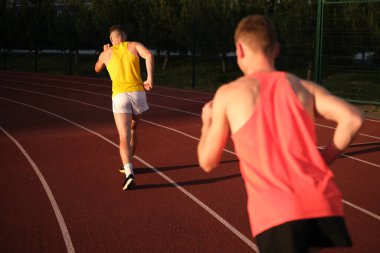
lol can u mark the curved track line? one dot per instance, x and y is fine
(53, 202)
(360, 160)
(89, 92)
(102, 79)
(195, 138)
(187, 193)
(174, 109)
(377, 217)
(374, 120)
(173, 97)
(153, 123)
(103, 108)
(103, 86)
(156, 124)
(161, 87)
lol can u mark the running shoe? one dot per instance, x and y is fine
(129, 182)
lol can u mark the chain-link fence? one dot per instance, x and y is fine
(350, 49)
(193, 40)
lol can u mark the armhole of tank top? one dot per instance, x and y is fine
(109, 60)
(129, 52)
(298, 102)
(253, 114)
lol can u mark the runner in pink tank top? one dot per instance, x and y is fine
(279, 161)
(293, 202)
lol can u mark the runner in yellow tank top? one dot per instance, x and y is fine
(128, 92)
(124, 69)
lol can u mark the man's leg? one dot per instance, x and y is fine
(133, 142)
(124, 124)
(135, 122)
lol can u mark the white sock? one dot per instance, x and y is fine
(128, 169)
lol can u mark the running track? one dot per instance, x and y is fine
(60, 190)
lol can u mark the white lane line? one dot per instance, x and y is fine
(59, 87)
(371, 136)
(204, 206)
(53, 202)
(109, 81)
(89, 92)
(354, 158)
(195, 138)
(178, 98)
(107, 109)
(191, 196)
(97, 85)
(360, 160)
(160, 87)
(377, 217)
(333, 128)
(190, 91)
(374, 120)
(162, 126)
(373, 143)
(174, 109)
(65, 81)
(185, 134)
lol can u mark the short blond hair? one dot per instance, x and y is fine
(258, 33)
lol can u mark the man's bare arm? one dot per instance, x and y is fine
(149, 62)
(101, 63)
(348, 118)
(214, 134)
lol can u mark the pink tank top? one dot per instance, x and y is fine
(285, 176)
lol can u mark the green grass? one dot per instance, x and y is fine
(355, 86)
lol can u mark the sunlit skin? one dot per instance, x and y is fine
(235, 102)
(127, 123)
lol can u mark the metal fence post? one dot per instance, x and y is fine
(193, 51)
(35, 58)
(70, 63)
(4, 58)
(318, 44)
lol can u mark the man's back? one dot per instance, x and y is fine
(285, 176)
(244, 93)
(271, 117)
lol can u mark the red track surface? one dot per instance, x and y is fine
(80, 168)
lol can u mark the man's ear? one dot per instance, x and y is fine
(111, 38)
(239, 50)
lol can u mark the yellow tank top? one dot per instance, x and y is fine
(124, 70)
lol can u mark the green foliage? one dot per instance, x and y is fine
(205, 26)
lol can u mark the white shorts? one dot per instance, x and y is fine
(130, 102)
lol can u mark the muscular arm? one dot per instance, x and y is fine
(214, 134)
(102, 60)
(149, 62)
(99, 65)
(348, 118)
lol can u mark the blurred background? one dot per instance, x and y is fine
(336, 43)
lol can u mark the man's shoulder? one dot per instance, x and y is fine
(133, 43)
(236, 87)
(105, 55)
(241, 84)
(307, 84)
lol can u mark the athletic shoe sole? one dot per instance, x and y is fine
(129, 183)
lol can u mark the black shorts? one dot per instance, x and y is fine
(301, 235)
